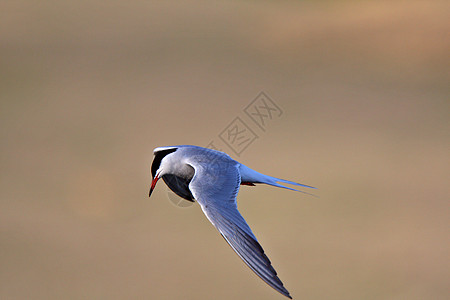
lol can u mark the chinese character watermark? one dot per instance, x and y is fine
(262, 110)
(238, 136)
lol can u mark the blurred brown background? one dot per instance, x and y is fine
(88, 89)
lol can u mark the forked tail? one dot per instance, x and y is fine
(251, 176)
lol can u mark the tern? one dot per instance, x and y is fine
(212, 178)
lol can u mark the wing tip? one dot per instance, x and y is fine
(282, 290)
(272, 278)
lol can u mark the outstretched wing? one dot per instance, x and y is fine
(215, 187)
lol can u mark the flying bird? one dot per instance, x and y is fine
(212, 178)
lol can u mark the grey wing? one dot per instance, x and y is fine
(216, 195)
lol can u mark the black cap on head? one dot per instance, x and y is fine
(159, 155)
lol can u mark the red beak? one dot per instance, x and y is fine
(154, 181)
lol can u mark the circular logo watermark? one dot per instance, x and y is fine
(177, 200)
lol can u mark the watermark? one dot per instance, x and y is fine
(177, 200)
(238, 136)
(263, 110)
(243, 130)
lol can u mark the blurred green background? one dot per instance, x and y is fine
(89, 88)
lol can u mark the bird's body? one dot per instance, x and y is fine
(212, 178)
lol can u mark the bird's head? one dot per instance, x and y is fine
(160, 164)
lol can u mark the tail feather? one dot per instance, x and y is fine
(293, 183)
(275, 182)
(251, 176)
